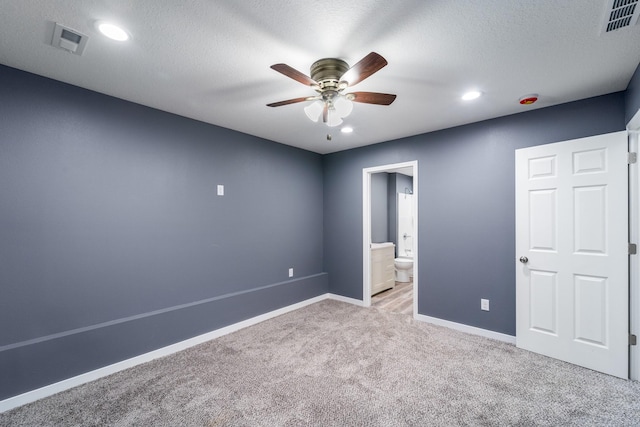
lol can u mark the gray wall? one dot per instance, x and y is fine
(379, 208)
(113, 241)
(466, 206)
(632, 101)
(384, 187)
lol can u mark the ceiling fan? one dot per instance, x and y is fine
(330, 77)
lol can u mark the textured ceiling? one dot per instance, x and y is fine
(209, 60)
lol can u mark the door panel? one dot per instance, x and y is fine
(590, 220)
(572, 228)
(544, 302)
(591, 309)
(543, 220)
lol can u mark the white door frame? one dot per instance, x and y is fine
(366, 229)
(633, 129)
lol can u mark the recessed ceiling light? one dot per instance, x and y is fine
(112, 31)
(346, 129)
(471, 95)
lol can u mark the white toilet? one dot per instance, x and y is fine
(404, 269)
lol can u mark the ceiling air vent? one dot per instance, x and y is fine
(68, 39)
(620, 14)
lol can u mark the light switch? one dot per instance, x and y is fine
(220, 190)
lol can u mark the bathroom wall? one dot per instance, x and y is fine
(403, 183)
(379, 208)
(466, 206)
(397, 184)
(113, 241)
(384, 189)
(406, 228)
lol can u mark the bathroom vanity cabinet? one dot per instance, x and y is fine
(382, 267)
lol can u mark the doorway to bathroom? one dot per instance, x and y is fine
(402, 231)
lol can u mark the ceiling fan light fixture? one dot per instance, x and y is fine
(329, 77)
(343, 106)
(333, 119)
(314, 110)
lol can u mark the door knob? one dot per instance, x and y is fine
(524, 259)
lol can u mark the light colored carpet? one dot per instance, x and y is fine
(334, 364)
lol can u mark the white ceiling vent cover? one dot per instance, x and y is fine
(620, 14)
(68, 39)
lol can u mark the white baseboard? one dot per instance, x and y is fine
(466, 328)
(348, 300)
(51, 389)
(440, 322)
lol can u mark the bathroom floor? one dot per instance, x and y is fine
(396, 300)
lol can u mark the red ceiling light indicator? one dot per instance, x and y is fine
(529, 99)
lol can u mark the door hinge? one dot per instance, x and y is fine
(633, 249)
(632, 158)
(633, 339)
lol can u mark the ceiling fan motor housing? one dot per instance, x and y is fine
(329, 78)
(328, 71)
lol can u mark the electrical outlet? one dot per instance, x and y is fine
(291, 272)
(484, 304)
(220, 190)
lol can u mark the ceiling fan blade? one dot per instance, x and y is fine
(290, 101)
(372, 97)
(325, 113)
(363, 69)
(294, 74)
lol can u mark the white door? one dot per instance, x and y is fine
(572, 252)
